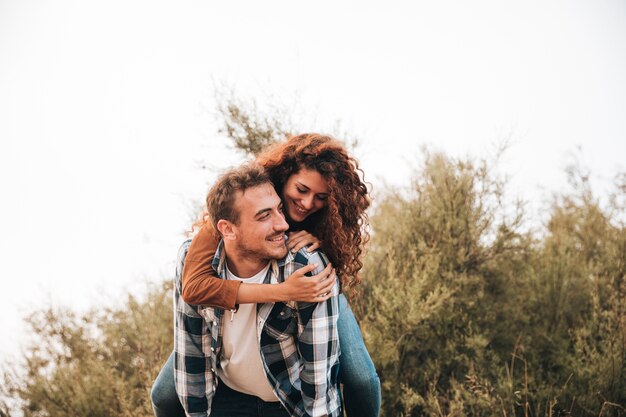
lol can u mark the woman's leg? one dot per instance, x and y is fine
(165, 402)
(361, 386)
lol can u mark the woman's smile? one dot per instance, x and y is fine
(304, 193)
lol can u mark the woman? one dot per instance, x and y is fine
(324, 202)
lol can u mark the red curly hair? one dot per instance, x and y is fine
(342, 225)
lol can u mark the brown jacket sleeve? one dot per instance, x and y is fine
(201, 285)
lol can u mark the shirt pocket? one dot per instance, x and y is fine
(282, 322)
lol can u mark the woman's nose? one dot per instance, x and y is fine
(307, 202)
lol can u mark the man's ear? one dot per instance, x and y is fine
(227, 229)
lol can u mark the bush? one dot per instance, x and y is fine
(98, 364)
(464, 314)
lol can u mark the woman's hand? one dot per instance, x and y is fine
(298, 240)
(314, 289)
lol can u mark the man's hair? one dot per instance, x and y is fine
(220, 201)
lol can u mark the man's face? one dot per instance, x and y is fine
(262, 226)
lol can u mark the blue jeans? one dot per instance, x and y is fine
(165, 401)
(361, 386)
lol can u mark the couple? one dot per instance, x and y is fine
(257, 333)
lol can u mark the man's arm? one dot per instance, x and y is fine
(192, 368)
(318, 346)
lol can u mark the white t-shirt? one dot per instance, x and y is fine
(241, 365)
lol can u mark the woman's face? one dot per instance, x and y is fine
(304, 193)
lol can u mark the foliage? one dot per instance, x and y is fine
(249, 129)
(466, 315)
(101, 363)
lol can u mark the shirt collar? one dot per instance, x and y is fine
(218, 259)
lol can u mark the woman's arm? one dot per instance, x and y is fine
(202, 286)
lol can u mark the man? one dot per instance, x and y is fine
(268, 359)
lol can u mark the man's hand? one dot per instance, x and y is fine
(314, 289)
(298, 240)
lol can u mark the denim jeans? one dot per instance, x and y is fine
(361, 386)
(165, 402)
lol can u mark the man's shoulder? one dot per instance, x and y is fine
(180, 261)
(317, 257)
(184, 248)
(304, 257)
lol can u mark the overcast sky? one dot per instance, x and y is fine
(106, 113)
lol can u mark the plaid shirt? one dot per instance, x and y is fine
(299, 344)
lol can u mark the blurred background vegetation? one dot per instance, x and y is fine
(465, 310)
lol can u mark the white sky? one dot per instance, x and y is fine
(103, 113)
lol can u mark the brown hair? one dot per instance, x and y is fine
(342, 225)
(220, 200)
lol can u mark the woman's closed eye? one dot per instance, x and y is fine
(306, 191)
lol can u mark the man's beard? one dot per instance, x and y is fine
(261, 253)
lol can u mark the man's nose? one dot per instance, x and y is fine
(281, 224)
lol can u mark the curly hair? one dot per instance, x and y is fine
(342, 225)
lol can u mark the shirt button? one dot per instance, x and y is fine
(214, 323)
(212, 370)
(212, 349)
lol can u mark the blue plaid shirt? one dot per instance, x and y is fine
(299, 344)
